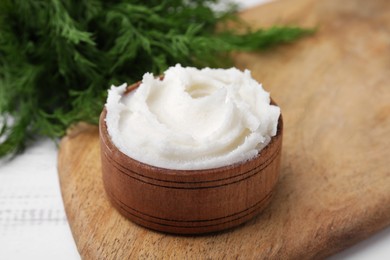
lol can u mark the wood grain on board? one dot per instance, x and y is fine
(334, 188)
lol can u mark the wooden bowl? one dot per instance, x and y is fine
(189, 201)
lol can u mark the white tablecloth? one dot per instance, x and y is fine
(33, 223)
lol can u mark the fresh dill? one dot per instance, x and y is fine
(58, 57)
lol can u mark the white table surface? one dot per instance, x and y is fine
(33, 223)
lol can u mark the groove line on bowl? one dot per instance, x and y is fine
(248, 211)
(272, 157)
(256, 171)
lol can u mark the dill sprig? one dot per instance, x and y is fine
(58, 57)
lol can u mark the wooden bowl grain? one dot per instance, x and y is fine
(189, 201)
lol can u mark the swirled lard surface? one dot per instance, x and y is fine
(192, 119)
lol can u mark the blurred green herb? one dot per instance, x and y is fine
(58, 57)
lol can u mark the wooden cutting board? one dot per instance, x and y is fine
(334, 188)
